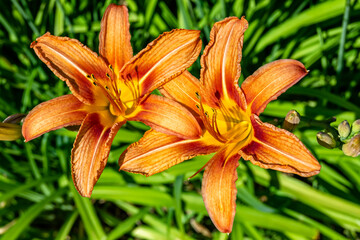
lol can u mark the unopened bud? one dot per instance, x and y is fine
(352, 148)
(344, 129)
(355, 128)
(292, 119)
(9, 131)
(326, 140)
(15, 118)
(74, 128)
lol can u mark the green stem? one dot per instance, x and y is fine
(343, 38)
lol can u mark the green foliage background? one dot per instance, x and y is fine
(37, 197)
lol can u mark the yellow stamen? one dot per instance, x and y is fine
(117, 106)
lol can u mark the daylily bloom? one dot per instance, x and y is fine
(231, 126)
(109, 89)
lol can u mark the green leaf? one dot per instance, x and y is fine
(66, 227)
(137, 195)
(29, 215)
(317, 13)
(127, 225)
(88, 215)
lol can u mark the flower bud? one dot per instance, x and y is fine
(292, 119)
(326, 140)
(352, 148)
(15, 118)
(74, 128)
(10, 132)
(355, 128)
(344, 129)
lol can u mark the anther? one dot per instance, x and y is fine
(88, 76)
(111, 68)
(107, 88)
(198, 107)
(94, 83)
(92, 76)
(197, 95)
(206, 114)
(108, 75)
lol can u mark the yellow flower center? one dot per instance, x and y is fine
(121, 91)
(228, 123)
(129, 94)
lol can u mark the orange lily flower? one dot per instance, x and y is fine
(231, 126)
(109, 89)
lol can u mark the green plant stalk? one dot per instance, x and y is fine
(88, 215)
(66, 227)
(177, 197)
(331, 234)
(151, 220)
(252, 216)
(22, 188)
(127, 225)
(309, 195)
(340, 61)
(29, 215)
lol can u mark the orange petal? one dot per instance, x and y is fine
(72, 62)
(115, 36)
(221, 62)
(167, 116)
(280, 150)
(156, 152)
(54, 114)
(184, 89)
(163, 59)
(91, 150)
(271, 80)
(219, 191)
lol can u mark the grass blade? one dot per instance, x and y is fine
(29, 215)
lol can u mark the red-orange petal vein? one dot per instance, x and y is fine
(220, 62)
(219, 190)
(72, 62)
(115, 36)
(167, 116)
(91, 150)
(280, 150)
(184, 89)
(156, 152)
(271, 80)
(163, 59)
(56, 113)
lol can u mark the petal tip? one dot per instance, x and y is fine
(25, 133)
(84, 192)
(32, 45)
